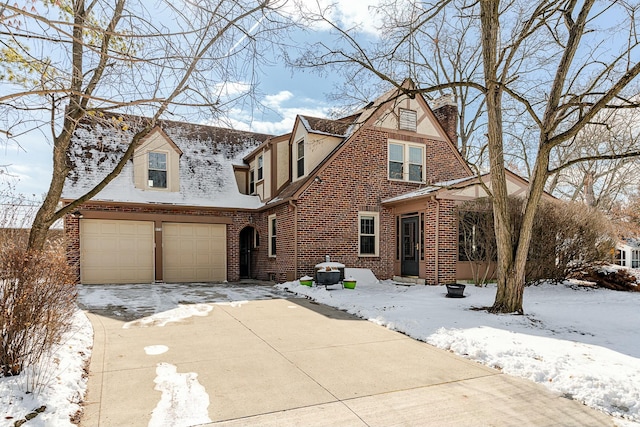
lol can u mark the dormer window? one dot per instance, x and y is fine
(408, 120)
(260, 161)
(300, 158)
(157, 170)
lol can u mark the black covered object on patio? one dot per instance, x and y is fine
(455, 291)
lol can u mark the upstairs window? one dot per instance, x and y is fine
(157, 170)
(260, 161)
(368, 233)
(252, 182)
(300, 158)
(396, 161)
(408, 120)
(406, 162)
(272, 235)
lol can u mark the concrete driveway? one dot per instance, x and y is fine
(278, 361)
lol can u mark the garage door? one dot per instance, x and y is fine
(116, 251)
(194, 252)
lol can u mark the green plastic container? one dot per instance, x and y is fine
(306, 282)
(349, 284)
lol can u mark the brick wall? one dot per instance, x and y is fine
(239, 219)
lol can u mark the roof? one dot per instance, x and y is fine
(330, 127)
(434, 188)
(206, 165)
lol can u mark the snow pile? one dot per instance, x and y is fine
(173, 315)
(581, 342)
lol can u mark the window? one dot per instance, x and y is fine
(368, 233)
(272, 235)
(621, 257)
(252, 182)
(157, 170)
(260, 160)
(406, 162)
(300, 158)
(408, 120)
(635, 258)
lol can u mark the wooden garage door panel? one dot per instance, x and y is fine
(116, 251)
(194, 252)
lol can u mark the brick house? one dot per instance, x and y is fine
(376, 190)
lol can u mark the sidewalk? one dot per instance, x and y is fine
(285, 362)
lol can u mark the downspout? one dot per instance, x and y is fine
(295, 238)
(437, 240)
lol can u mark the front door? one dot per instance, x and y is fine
(410, 246)
(246, 246)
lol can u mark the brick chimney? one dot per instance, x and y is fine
(446, 111)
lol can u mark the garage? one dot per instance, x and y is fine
(194, 252)
(116, 251)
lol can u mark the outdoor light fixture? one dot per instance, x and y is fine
(318, 179)
(77, 214)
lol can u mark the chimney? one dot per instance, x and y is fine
(446, 111)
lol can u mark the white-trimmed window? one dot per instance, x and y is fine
(406, 162)
(260, 164)
(408, 120)
(635, 258)
(252, 182)
(621, 257)
(368, 233)
(157, 177)
(300, 147)
(272, 235)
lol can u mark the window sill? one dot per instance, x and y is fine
(368, 255)
(404, 181)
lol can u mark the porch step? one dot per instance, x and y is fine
(407, 281)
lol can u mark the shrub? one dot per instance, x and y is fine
(37, 301)
(566, 236)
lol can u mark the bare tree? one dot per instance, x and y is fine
(561, 62)
(63, 60)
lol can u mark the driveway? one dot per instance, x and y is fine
(238, 355)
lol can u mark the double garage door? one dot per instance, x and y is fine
(123, 251)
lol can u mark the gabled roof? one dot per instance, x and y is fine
(206, 171)
(340, 128)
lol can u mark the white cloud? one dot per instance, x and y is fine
(349, 13)
(231, 89)
(278, 117)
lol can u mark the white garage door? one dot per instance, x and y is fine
(194, 252)
(116, 251)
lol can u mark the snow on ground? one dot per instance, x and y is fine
(62, 373)
(184, 400)
(581, 342)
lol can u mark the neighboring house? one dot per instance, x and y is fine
(627, 253)
(376, 190)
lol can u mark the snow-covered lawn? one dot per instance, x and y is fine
(581, 342)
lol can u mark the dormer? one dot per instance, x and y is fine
(156, 163)
(312, 140)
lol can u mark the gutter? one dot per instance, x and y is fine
(437, 255)
(295, 237)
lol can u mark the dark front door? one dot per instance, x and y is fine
(246, 246)
(410, 246)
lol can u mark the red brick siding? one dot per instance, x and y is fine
(239, 221)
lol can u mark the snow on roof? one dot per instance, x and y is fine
(206, 166)
(429, 189)
(340, 128)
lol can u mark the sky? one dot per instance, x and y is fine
(284, 91)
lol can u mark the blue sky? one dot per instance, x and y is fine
(284, 91)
